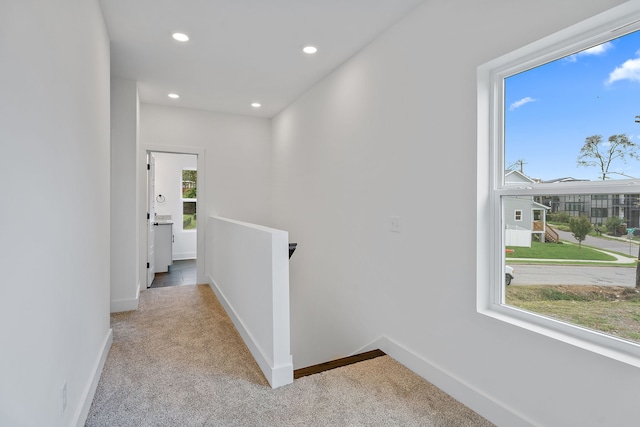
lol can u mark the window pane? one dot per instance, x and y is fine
(573, 258)
(189, 180)
(575, 118)
(188, 215)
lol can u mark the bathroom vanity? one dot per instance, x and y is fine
(163, 246)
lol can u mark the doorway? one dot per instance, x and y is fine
(182, 272)
(174, 240)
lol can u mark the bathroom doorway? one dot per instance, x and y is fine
(173, 231)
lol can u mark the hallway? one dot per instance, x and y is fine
(179, 361)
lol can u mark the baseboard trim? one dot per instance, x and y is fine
(90, 390)
(277, 376)
(338, 363)
(119, 306)
(490, 408)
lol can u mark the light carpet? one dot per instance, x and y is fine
(179, 361)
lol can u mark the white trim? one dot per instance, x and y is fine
(613, 23)
(516, 215)
(277, 376)
(491, 187)
(181, 256)
(80, 417)
(121, 305)
(587, 339)
(130, 304)
(495, 411)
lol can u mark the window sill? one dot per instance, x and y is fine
(596, 342)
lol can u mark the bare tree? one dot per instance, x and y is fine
(596, 153)
(517, 164)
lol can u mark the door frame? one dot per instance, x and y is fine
(202, 194)
(151, 218)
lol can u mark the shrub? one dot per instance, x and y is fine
(560, 217)
(613, 225)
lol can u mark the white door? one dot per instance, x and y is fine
(151, 218)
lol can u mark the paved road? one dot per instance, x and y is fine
(573, 275)
(581, 274)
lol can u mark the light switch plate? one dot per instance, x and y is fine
(395, 224)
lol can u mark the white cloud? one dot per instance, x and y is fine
(521, 102)
(597, 50)
(630, 70)
(592, 51)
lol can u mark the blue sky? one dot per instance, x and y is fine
(552, 109)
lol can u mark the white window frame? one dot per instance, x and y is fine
(491, 187)
(517, 216)
(183, 200)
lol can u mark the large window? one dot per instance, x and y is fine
(559, 136)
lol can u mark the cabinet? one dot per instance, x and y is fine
(163, 246)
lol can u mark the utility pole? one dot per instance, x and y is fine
(637, 120)
(520, 163)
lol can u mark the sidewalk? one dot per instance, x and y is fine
(604, 245)
(619, 259)
(615, 244)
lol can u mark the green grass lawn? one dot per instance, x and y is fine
(189, 222)
(612, 310)
(558, 251)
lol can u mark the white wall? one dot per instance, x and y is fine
(168, 182)
(234, 155)
(248, 268)
(238, 156)
(125, 261)
(54, 187)
(382, 137)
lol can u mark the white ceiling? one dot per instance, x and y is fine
(240, 51)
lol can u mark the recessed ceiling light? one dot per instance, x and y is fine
(309, 50)
(180, 37)
(173, 96)
(256, 105)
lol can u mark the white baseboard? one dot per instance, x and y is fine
(494, 411)
(184, 255)
(80, 417)
(277, 376)
(121, 305)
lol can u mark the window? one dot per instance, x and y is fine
(189, 199)
(563, 112)
(575, 207)
(599, 212)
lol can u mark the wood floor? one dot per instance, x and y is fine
(182, 272)
(316, 369)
